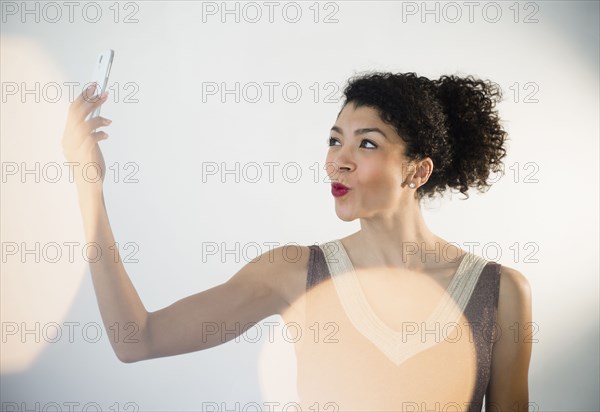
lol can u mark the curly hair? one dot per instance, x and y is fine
(450, 120)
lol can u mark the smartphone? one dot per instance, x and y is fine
(100, 76)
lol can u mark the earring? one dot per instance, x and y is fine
(412, 185)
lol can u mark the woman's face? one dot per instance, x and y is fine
(366, 161)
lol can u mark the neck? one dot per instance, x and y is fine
(401, 240)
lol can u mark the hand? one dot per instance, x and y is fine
(80, 143)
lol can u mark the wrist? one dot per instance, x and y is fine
(86, 188)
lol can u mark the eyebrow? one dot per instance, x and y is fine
(361, 131)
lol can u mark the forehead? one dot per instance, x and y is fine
(352, 117)
(350, 110)
(364, 113)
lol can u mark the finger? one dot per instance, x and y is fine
(92, 139)
(86, 103)
(98, 136)
(85, 95)
(76, 137)
(78, 110)
(92, 124)
(91, 104)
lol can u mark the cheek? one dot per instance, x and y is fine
(376, 175)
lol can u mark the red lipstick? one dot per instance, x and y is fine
(338, 189)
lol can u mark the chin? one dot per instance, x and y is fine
(346, 217)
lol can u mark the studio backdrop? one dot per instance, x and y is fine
(221, 115)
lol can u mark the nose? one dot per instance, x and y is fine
(342, 161)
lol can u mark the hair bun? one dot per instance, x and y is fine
(450, 120)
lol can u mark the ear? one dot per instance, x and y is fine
(417, 173)
(424, 168)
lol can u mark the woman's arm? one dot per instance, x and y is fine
(123, 314)
(120, 305)
(197, 322)
(219, 314)
(508, 389)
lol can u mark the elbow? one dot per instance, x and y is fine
(132, 351)
(133, 348)
(125, 358)
(129, 356)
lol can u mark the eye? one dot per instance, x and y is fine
(370, 142)
(333, 139)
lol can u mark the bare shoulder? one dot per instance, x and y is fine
(515, 293)
(514, 306)
(283, 270)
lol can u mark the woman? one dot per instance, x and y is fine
(406, 319)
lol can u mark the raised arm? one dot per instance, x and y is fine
(197, 322)
(120, 305)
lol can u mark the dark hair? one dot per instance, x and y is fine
(450, 120)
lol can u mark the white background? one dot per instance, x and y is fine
(542, 216)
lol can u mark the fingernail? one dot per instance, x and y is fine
(92, 86)
(107, 121)
(103, 95)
